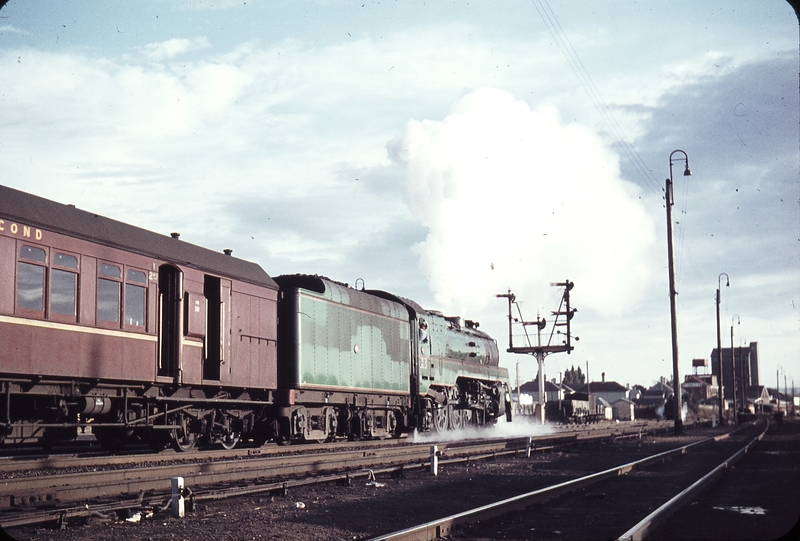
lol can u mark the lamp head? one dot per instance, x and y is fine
(687, 172)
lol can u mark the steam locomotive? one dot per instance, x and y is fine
(131, 335)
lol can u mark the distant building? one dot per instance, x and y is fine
(601, 407)
(624, 409)
(552, 391)
(702, 386)
(610, 391)
(661, 388)
(758, 398)
(745, 363)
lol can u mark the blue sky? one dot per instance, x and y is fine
(444, 152)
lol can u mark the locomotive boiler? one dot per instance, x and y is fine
(131, 335)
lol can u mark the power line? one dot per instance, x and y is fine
(574, 61)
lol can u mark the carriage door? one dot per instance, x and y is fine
(170, 308)
(213, 346)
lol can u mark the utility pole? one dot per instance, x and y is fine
(742, 380)
(785, 391)
(719, 350)
(733, 371)
(588, 391)
(677, 400)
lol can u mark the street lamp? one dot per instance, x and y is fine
(744, 380)
(719, 346)
(677, 405)
(733, 369)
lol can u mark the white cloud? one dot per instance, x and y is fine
(513, 198)
(174, 47)
(10, 29)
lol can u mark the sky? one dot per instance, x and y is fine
(445, 152)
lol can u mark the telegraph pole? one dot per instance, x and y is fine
(719, 350)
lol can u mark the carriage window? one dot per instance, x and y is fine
(135, 298)
(63, 292)
(111, 271)
(30, 286)
(66, 260)
(63, 285)
(30, 279)
(34, 254)
(137, 276)
(108, 293)
(107, 300)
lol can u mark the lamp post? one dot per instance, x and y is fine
(785, 392)
(733, 369)
(744, 380)
(677, 405)
(719, 347)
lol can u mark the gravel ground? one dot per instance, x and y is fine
(360, 511)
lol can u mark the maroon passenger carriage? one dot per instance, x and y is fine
(103, 321)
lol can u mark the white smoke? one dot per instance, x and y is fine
(521, 426)
(513, 198)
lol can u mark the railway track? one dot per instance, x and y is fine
(100, 484)
(649, 489)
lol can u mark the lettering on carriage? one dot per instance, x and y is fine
(23, 230)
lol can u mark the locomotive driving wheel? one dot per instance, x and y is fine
(457, 419)
(440, 418)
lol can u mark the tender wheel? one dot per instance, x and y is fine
(440, 419)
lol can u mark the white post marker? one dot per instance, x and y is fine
(177, 497)
(434, 459)
(528, 447)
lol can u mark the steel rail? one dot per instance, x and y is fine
(652, 521)
(439, 528)
(71, 487)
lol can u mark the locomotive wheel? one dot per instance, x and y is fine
(391, 424)
(457, 419)
(440, 419)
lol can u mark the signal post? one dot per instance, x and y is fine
(563, 316)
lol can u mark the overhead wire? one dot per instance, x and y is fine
(579, 69)
(562, 41)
